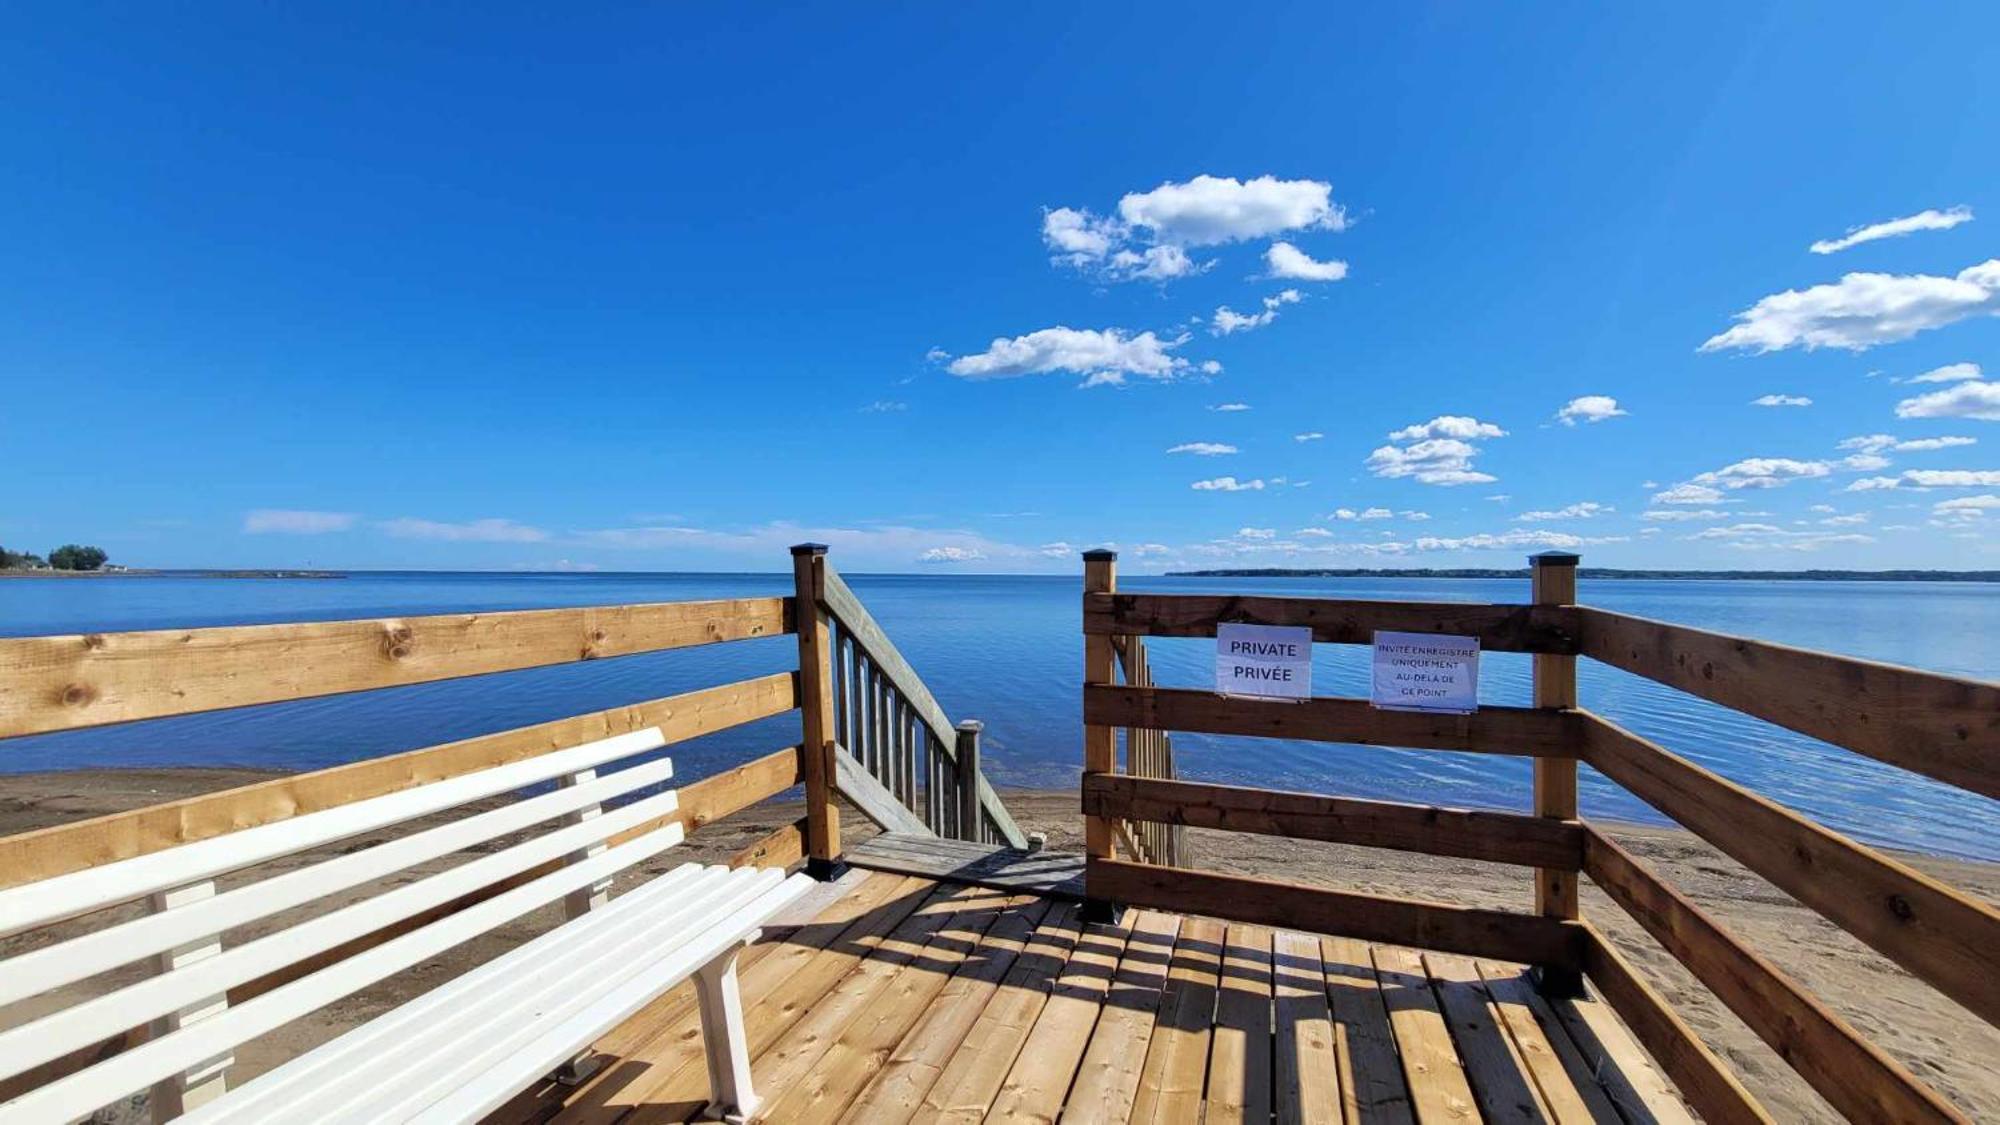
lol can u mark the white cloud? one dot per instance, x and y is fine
(1968, 399)
(1583, 510)
(1932, 219)
(1763, 472)
(1149, 550)
(1864, 462)
(1314, 532)
(1862, 310)
(1590, 408)
(1312, 435)
(1203, 448)
(1209, 210)
(1853, 520)
(1949, 373)
(1766, 537)
(1972, 504)
(1057, 550)
(885, 406)
(1363, 514)
(1871, 484)
(1230, 407)
(1885, 443)
(1228, 320)
(1685, 493)
(1414, 517)
(1155, 263)
(1107, 355)
(1256, 533)
(1211, 367)
(1227, 484)
(1078, 235)
(1781, 400)
(1953, 478)
(950, 555)
(1288, 261)
(1827, 508)
(1519, 537)
(295, 521)
(1439, 452)
(1680, 515)
(472, 531)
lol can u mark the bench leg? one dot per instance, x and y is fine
(730, 1095)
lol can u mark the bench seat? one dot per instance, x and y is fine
(462, 1049)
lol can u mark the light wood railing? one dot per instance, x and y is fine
(1149, 753)
(1939, 726)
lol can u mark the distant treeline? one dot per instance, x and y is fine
(1606, 572)
(69, 556)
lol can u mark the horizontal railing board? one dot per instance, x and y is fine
(1853, 1075)
(1936, 932)
(1499, 934)
(1500, 628)
(1940, 726)
(1496, 837)
(62, 848)
(1490, 730)
(64, 682)
(1708, 1085)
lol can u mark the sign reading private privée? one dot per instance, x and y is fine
(1426, 672)
(1264, 661)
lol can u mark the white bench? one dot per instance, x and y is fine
(453, 1053)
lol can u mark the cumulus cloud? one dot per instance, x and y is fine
(1057, 550)
(1781, 400)
(1862, 310)
(1583, 510)
(1154, 263)
(1227, 320)
(1685, 493)
(1256, 533)
(472, 531)
(1311, 435)
(1211, 367)
(1682, 515)
(1106, 355)
(1967, 506)
(1949, 373)
(1763, 472)
(1203, 448)
(1931, 219)
(1288, 261)
(1970, 398)
(1363, 514)
(1210, 210)
(1884, 443)
(1227, 484)
(951, 555)
(1589, 408)
(295, 521)
(1921, 480)
(1438, 452)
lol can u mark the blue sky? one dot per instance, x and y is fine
(668, 286)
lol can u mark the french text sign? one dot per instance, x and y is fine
(1266, 661)
(1426, 672)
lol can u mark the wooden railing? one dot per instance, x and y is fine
(1149, 753)
(1940, 726)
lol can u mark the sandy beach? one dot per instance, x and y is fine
(1939, 1041)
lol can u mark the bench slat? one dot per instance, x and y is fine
(101, 1017)
(433, 1057)
(86, 1090)
(79, 958)
(66, 896)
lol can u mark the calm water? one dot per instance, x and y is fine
(1008, 650)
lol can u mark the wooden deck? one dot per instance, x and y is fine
(1049, 874)
(894, 998)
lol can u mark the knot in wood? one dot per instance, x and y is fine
(76, 695)
(397, 642)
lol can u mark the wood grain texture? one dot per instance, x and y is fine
(1430, 925)
(1940, 726)
(1239, 1060)
(1372, 1088)
(1936, 932)
(1438, 1088)
(1555, 781)
(1490, 730)
(1704, 1081)
(781, 847)
(1500, 628)
(1469, 834)
(63, 682)
(63, 848)
(1853, 1075)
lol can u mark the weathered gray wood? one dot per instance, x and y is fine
(869, 795)
(1051, 874)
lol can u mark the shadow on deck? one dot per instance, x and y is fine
(890, 998)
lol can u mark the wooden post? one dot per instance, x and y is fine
(971, 818)
(1555, 778)
(816, 713)
(1100, 743)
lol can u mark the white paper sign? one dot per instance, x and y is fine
(1426, 672)
(1266, 661)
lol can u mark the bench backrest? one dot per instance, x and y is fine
(563, 844)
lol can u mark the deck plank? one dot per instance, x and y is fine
(1034, 1089)
(1372, 1088)
(1499, 1080)
(971, 1079)
(1608, 1050)
(1307, 1080)
(1173, 1077)
(1439, 1091)
(1108, 1078)
(1052, 874)
(1239, 1066)
(1567, 1087)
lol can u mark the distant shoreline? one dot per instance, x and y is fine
(24, 572)
(1606, 572)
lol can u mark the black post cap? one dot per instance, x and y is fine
(809, 549)
(1554, 558)
(1100, 554)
